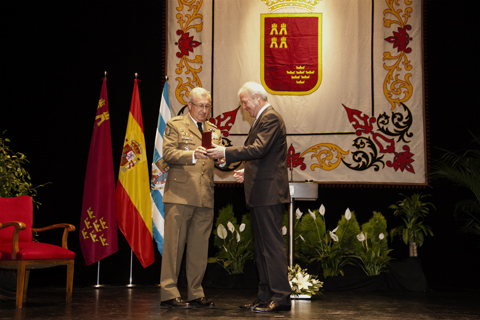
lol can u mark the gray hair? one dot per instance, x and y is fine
(253, 88)
(198, 92)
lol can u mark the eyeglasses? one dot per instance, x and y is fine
(206, 106)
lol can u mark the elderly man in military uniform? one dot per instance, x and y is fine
(188, 199)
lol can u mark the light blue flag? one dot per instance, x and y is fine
(159, 173)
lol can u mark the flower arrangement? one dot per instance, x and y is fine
(302, 283)
(235, 242)
(373, 251)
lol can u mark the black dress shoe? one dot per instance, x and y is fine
(257, 302)
(201, 303)
(272, 306)
(176, 303)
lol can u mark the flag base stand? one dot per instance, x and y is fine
(98, 285)
(131, 285)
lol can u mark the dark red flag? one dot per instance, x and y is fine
(98, 225)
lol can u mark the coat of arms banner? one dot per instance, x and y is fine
(346, 75)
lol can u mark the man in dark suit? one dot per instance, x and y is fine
(188, 202)
(265, 179)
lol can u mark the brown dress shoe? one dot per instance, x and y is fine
(272, 306)
(257, 302)
(176, 303)
(201, 303)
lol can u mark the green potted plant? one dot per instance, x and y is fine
(235, 242)
(373, 253)
(15, 181)
(331, 249)
(413, 212)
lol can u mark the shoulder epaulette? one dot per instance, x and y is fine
(177, 118)
(212, 124)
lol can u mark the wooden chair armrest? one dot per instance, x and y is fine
(18, 226)
(67, 228)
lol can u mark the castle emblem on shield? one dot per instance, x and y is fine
(291, 52)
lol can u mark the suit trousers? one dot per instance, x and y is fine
(191, 226)
(271, 254)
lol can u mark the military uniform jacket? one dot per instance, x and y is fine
(188, 183)
(265, 156)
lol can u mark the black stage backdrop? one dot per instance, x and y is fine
(54, 56)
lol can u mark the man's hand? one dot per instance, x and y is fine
(220, 162)
(200, 153)
(238, 175)
(217, 152)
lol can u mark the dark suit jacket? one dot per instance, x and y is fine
(265, 153)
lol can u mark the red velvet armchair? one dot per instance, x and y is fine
(18, 251)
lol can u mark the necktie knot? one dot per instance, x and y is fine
(199, 125)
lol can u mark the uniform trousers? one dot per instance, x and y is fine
(271, 254)
(191, 226)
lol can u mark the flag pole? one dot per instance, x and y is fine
(131, 259)
(160, 273)
(98, 285)
(131, 250)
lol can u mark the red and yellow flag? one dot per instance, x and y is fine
(98, 224)
(133, 187)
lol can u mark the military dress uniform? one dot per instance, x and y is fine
(189, 201)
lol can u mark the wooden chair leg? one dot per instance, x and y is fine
(25, 287)
(70, 266)
(20, 283)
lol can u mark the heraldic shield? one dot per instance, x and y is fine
(291, 52)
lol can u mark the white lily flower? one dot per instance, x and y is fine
(334, 236)
(284, 230)
(238, 237)
(312, 214)
(230, 227)
(348, 214)
(302, 282)
(242, 227)
(361, 237)
(298, 213)
(221, 231)
(322, 210)
(335, 230)
(381, 236)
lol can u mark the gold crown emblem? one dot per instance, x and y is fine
(277, 4)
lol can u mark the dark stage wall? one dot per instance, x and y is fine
(56, 53)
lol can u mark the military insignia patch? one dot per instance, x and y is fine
(291, 51)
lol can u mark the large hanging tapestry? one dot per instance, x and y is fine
(346, 75)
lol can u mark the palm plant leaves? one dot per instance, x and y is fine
(463, 170)
(413, 211)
